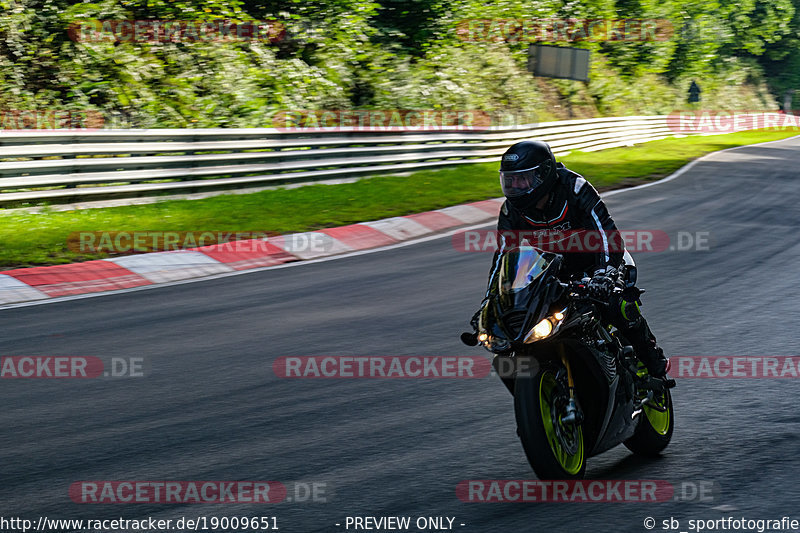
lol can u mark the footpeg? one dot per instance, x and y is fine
(656, 384)
(661, 384)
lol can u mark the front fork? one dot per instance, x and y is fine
(572, 414)
(501, 363)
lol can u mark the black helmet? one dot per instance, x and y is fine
(527, 173)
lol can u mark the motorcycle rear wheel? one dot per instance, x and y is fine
(554, 450)
(655, 427)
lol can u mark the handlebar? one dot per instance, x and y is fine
(580, 289)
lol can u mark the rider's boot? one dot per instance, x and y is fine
(653, 358)
(648, 352)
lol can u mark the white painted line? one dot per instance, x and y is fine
(466, 213)
(13, 290)
(399, 228)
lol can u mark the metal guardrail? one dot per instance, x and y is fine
(64, 166)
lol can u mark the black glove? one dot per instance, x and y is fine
(601, 284)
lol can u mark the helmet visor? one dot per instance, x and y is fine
(520, 182)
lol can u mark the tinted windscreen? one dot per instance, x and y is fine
(521, 267)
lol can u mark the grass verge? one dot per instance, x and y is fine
(31, 239)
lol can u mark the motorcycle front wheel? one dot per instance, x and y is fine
(554, 449)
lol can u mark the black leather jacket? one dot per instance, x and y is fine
(573, 205)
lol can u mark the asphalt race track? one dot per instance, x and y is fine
(211, 408)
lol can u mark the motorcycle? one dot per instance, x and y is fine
(578, 388)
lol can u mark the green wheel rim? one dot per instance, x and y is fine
(659, 420)
(570, 463)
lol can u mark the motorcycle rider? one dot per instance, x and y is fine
(545, 196)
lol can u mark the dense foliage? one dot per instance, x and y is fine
(387, 54)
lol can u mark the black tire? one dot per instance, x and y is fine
(652, 436)
(529, 395)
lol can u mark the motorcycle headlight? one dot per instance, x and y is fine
(493, 344)
(542, 329)
(545, 328)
